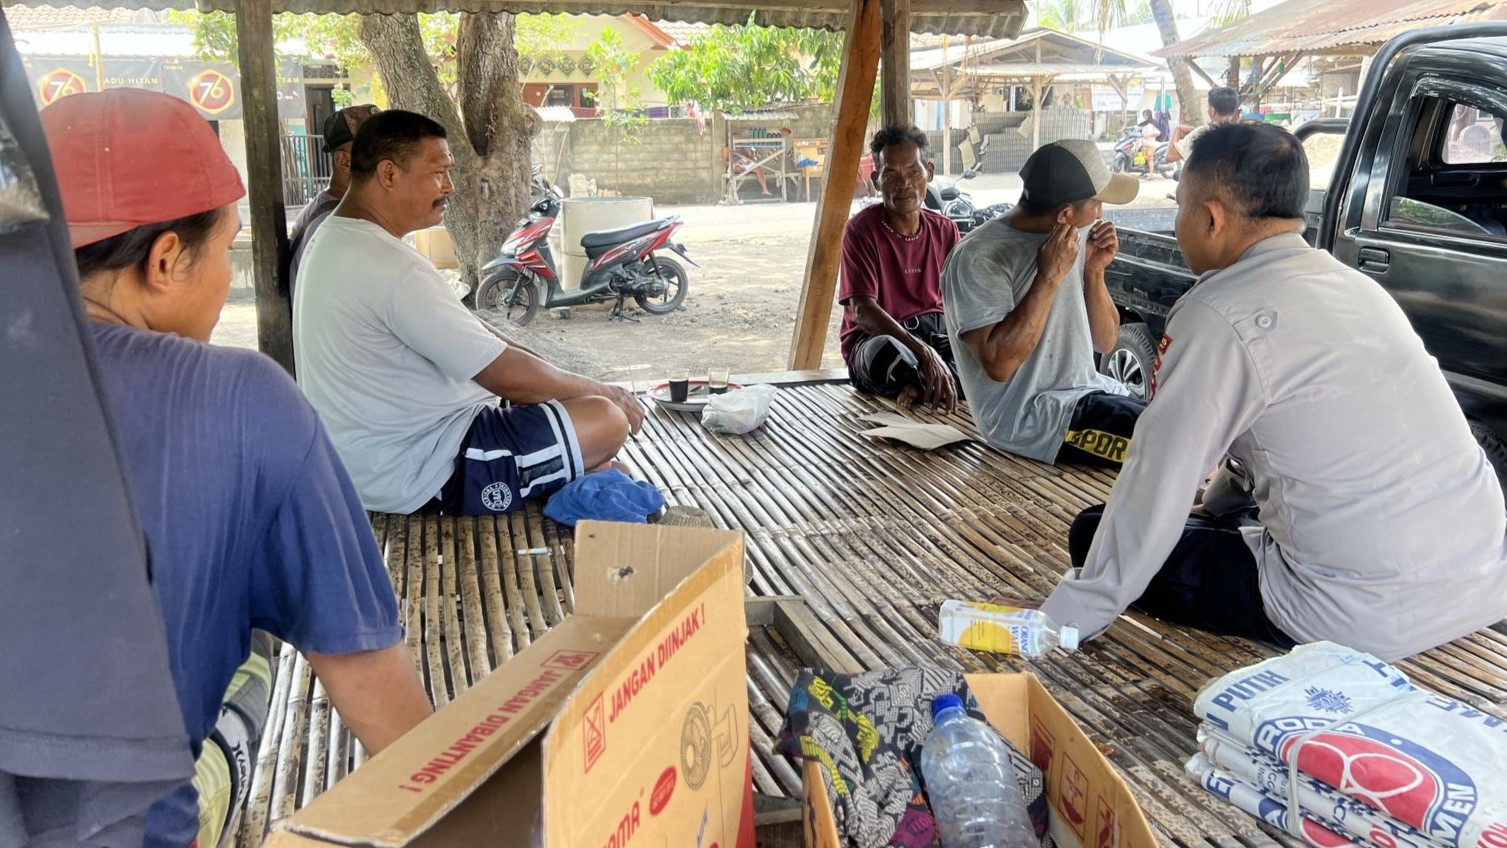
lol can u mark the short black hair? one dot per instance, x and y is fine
(1260, 169)
(131, 248)
(393, 135)
(900, 134)
(1225, 101)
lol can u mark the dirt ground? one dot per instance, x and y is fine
(739, 312)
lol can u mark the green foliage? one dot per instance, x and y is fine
(333, 38)
(745, 67)
(1100, 15)
(619, 98)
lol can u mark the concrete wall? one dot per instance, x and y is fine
(672, 160)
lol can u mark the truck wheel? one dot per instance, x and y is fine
(1496, 452)
(1132, 360)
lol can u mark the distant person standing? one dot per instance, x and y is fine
(339, 131)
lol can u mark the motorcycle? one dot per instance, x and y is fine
(621, 263)
(1129, 155)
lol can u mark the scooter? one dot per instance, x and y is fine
(1128, 149)
(621, 263)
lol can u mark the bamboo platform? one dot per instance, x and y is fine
(853, 544)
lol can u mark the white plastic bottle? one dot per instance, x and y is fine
(974, 796)
(1005, 630)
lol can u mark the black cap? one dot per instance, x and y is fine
(1071, 171)
(340, 128)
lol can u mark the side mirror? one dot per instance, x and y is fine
(969, 173)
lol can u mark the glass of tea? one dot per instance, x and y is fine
(680, 384)
(716, 381)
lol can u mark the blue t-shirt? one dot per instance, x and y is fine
(250, 522)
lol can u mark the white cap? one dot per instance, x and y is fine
(1068, 637)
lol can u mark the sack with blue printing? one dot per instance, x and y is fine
(1348, 818)
(1269, 807)
(1359, 726)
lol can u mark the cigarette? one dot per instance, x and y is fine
(532, 551)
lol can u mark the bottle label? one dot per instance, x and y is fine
(989, 627)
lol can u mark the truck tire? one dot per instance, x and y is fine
(1132, 360)
(1496, 452)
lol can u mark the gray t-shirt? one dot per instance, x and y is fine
(985, 276)
(308, 222)
(1383, 524)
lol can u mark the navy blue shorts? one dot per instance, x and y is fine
(510, 455)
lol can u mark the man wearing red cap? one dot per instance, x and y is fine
(250, 520)
(408, 380)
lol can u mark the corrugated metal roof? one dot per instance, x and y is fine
(1061, 53)
(46, 17)
(1338, 27)
(998, 20)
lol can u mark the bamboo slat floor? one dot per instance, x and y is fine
(870, 537)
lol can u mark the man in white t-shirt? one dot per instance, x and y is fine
(408, 381)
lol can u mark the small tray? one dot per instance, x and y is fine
(696, 396)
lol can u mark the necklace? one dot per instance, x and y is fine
(896, 234)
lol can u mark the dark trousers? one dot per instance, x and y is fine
(1210, 581)
(881, 365)
(1100, 431)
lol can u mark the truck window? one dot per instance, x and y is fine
(1455, 175)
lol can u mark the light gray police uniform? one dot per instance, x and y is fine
(1383, 521)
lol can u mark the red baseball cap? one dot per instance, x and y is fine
(127, 157)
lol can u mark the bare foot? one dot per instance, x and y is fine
(908, 397)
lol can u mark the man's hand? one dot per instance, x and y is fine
(628, 403)
(939, 390)
(1103, 246)
(1058, 253)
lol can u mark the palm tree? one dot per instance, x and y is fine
(1166, 24)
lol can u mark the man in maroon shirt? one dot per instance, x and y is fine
(894, 340)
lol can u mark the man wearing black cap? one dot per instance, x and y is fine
(1027, 309)
(339, 131)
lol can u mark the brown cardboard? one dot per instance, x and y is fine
(627, 723)
(1091, 805)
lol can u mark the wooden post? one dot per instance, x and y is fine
(894, 53)
(855, 91)
(1035, 113)
(946, 111)
(269, 225)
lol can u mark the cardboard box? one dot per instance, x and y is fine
(628, 722)
(1091, 805)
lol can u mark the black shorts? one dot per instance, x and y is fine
(1210, 580)
(510, 455)
(1100, 431)
(881, 365)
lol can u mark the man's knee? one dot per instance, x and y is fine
(601, 427)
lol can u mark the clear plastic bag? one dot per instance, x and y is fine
(20, 199)
(739, 411)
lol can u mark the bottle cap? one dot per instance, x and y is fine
(945, 702)
(1068, 637)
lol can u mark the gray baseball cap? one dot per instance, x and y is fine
(1071, 171)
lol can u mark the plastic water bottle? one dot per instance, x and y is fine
(1005, 630)
(974, 797)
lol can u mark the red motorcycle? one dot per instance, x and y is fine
(621, 263)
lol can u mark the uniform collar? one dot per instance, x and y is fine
(1270, 244)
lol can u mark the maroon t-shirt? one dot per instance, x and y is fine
(902, 273)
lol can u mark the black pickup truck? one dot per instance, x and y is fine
(1417, 201)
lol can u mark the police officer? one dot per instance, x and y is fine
(1382, 524)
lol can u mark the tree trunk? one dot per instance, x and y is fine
(1190, 110)
(489, 134)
